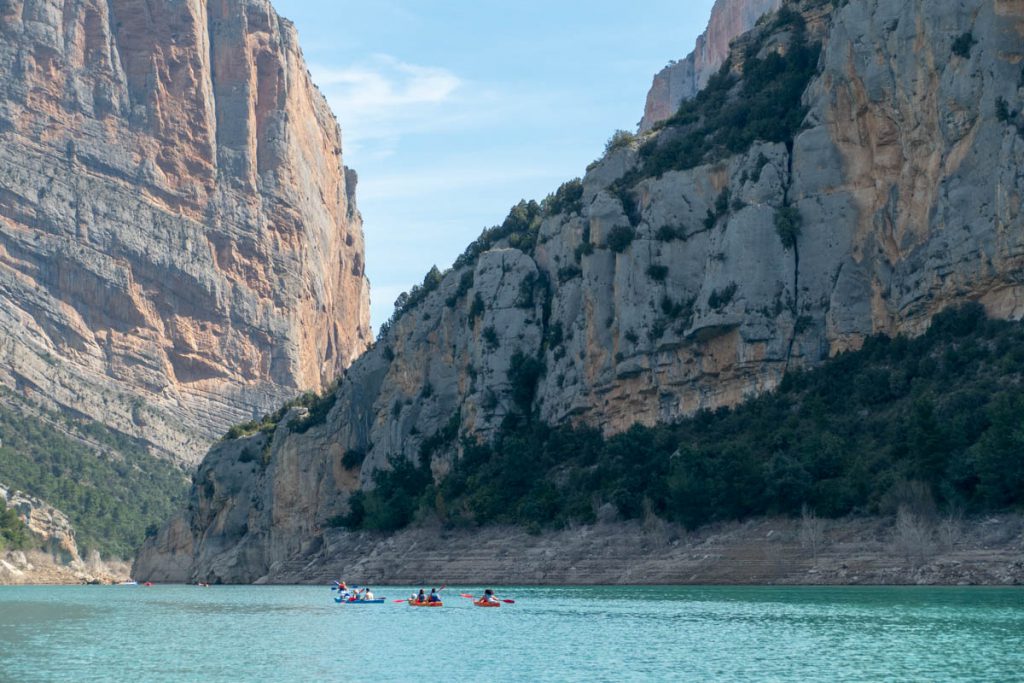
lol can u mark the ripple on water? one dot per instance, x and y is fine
(181, 633)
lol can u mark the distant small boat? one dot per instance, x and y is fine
(376, 601)
(128, 583)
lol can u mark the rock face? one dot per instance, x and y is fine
(179, 242)
(683, 79)
(766, 551)
(909, 183)
(53, 557)
(48, 525)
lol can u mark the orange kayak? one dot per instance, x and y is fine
(484, 603)
(415, 603)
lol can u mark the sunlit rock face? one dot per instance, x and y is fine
(180, 247)
(909, 183)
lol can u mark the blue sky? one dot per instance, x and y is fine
(452, 111)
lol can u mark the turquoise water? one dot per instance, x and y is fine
(181, 633)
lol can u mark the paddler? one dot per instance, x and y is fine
(422, 597)
(434, 597)
(489, 597)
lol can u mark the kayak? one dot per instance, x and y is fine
(482, 603)
(414, 603)
(375, 601)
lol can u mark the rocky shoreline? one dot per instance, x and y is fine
(776, 551)
(38, 568)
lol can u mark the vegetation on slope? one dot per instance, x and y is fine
(732, 112)
(943, 413)
(107, 484)
(14, 534)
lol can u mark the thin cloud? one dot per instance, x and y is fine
(386, 98)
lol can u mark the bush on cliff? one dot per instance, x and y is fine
(731, 113)
(13, 532)
(945, 410)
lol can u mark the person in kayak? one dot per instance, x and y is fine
(434, 597)
(422, 597)
(489, 597)
(367, 594)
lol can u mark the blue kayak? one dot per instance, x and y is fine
(376, 601)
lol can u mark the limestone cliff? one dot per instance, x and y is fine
(49, 527)
(683, 79)
(180, 247)
(646, 294)
(52, 556)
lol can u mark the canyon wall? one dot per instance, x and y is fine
(180, 247)
(905, 174)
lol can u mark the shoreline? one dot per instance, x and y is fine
(40, 568)
(986, 551)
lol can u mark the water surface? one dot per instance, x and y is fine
(182, 633)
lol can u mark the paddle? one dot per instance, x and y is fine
(473, 597)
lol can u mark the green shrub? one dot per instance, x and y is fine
(476, 309)
(465, 284)
(788, 225)
(523, 374)
(720, 299)
(677, 310)
(14, 534)
(619, 238)
(318, 409)
(566, 273)
(527, 286)
(722, 202)
(667, 233)
(555, 335)
(1002, 110)
(584, 249)
(630, 205)
(567, 199)
(490, 337)
(658, 273)
(619, 140)
(963, 44)
(353, 459)
(730, 114)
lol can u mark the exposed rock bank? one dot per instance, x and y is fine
(988, 551)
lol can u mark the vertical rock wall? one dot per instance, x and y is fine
(179, 243)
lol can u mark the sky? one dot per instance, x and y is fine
(453, 110)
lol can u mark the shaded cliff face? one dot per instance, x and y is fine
(666, 294)
(179, 242)
(683, 79)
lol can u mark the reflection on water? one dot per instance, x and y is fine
(181, 633)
